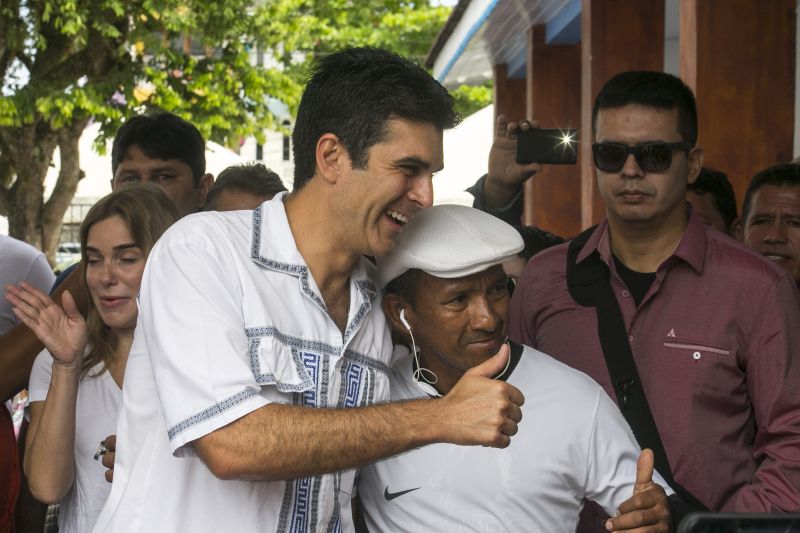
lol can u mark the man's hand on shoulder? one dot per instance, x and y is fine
(506, 176)
(647, 511)
(481, 410)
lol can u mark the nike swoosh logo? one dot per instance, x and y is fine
(392, 495)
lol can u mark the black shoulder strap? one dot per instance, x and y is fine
(588, 284)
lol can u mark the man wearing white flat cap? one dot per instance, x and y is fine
(447, 297)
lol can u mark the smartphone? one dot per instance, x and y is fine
(547, 146)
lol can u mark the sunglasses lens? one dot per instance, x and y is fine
(609, 157)
(653, 157)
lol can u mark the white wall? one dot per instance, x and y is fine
(672, 53)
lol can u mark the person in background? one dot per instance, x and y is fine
(75, 386)
(770, 222)
(167, 151)
(243, 187)
(714, 330)
(712, 198)
(19, 261)
(162, 149)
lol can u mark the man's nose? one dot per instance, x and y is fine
(421, 190)
(775, 233)
(631, 168)
(483, 316)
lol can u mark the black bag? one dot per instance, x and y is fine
(589, 285)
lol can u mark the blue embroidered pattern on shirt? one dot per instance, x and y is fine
(297, 270)
(300, 516)
(311, 363)
(299, 507)
(352, 384)
(269, 378)
(214, 410)
(356, 387)
(314, 347)
(363, 360)
(365, 287)
(368, 293)
(335, 523)
(256, 246)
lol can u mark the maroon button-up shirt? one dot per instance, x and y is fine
(716, 342)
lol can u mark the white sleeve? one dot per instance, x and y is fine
(41, 374)
(613, 453)
(40, 275)
(192, 327)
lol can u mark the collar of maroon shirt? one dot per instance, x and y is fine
(691, 249)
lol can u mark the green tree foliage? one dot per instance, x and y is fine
(214, 62)
(471, 98)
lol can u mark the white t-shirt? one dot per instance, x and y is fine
(572, 443)
(98, 403)
(19, 261)
(231, 320)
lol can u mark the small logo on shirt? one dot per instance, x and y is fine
(392, 495)
(671, 333)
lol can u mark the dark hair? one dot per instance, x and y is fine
(716, 183)
(651, 89)
(536, 240)
(353, 93)
(785, 174)
(404, 285)
(252, 178)
(161, 136)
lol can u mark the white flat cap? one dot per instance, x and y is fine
(450, 241)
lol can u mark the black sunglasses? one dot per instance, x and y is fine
(651, 157)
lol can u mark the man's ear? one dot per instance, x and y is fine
(203, 187)
(330, 157)
(737, 229)
(696, 156)
(392, 305)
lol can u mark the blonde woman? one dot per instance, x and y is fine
(75, 385)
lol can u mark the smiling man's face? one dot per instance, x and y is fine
(378, 201)
(772, 226)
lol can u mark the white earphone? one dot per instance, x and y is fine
(403, 319)
(419, 372)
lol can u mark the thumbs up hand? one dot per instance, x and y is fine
(481, 410)
(647, 511)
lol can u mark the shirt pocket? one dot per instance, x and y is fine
(706, 366)
(696, 350)
(275, 363)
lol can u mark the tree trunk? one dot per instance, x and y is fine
(69, 175)
(29, 150)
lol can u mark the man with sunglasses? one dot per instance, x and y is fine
(713, 329)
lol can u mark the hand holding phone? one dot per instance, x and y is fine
(547, 146)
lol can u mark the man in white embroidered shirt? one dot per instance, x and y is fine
(447, 298)
(252, 322)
